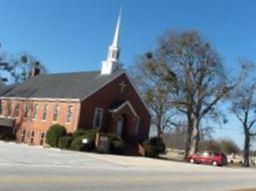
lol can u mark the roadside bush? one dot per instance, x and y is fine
(90, 135)
(78, 133)
(54, 133)
(81, 134)
(76, 144)
(150, 150)
(7, 136)
(116, 144)
(159, 143)
(154, 147)
(64, 142)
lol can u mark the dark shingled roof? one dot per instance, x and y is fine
(67, 85)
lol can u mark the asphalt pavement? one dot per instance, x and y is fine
(32, 168)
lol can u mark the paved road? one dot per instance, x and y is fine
(25, 168)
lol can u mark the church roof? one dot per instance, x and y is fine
(78, 85)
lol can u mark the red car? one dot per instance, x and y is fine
(213, 158)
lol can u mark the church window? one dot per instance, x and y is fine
(45, 112)
(26, 110)
(1, 108)
(42, 138)
(137, 124)
(35, 112)
(32, 137)
(9, 109)
(69, 114)
(117, 54)
(55, 113)
(17, 110)
(113, 54)
(98, 114)
(23, 135)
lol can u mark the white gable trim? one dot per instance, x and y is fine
(122, 105)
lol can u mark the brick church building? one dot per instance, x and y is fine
(105, 99)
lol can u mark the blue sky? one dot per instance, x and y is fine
(73, 35)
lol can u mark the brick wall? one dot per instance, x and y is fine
(38, 124)
(108, 95)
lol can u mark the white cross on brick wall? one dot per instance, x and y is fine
(122, 86)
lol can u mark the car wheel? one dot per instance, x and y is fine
(192, 161)
(214, 163)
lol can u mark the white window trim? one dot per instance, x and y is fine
(95, 114)
(7, 109)
(14, 113)
(34, 109)
(24, 111)
(71, 117)
(47, 107)
(2, 105)
(58, 113)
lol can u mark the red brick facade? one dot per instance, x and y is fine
(32, 124)
(32, 117)
(108, 96)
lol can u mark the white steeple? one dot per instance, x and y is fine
(112, 64)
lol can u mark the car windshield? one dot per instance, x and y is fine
(205, 154)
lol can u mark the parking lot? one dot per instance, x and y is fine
(24, 167)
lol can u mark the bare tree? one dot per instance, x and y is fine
(156, 93)
(18, 68)
(192, 73)
(243, 104)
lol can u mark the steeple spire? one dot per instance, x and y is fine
(112, 64)
(116, 37)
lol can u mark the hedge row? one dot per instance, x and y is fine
(57, 137)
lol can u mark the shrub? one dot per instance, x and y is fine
(116, 144)
(64, 142)
(78, 133)
(90, 135)
(77, 144)
(159, 143)
(154, 147)
(7, 135)
(150, 150)
(81, 134)
(54, 133)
